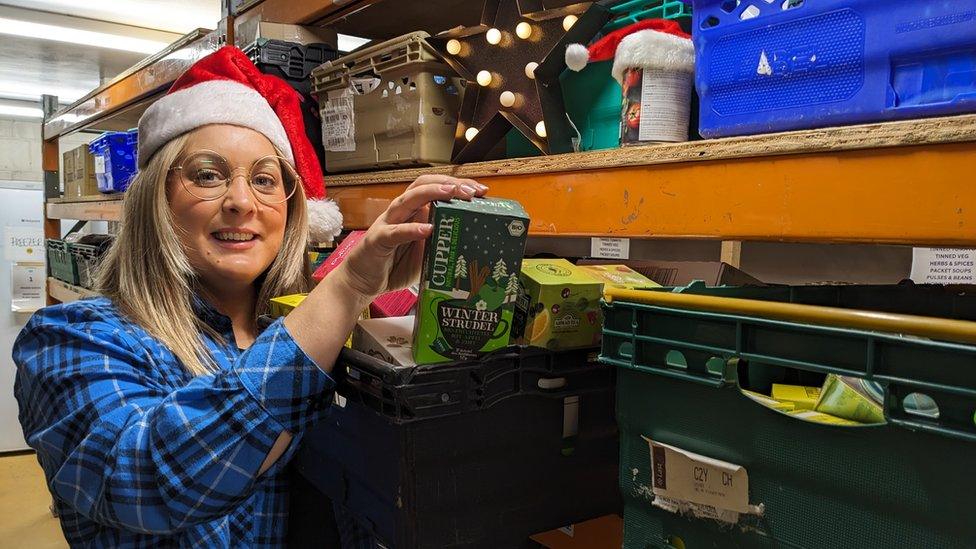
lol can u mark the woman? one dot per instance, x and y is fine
(162, 414)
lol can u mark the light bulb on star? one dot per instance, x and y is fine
(470, 133)
(530, 69)
(569, 21)
(493, 36)
(507, 99)
(540, 129)
(484, 78)
(453, 46)
(523, 30)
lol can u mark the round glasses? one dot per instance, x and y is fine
(207, 175)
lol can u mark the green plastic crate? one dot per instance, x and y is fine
(592, 96)
(902, 484)
(61, 264)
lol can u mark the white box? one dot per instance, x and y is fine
(388, 339)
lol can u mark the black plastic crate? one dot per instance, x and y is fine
(293, 63)
(478, 454)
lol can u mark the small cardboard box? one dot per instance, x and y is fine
(606, 532)
(281, 306)
(79, 173)
(470, 279)
(683, 273)
(620, 277)
(559, 307)
(388, 339)
(251, 29)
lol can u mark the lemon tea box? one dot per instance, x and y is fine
(470, 279)
(559, 307)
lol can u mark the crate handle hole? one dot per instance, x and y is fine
(791, 4)
(920, 405)
(676, 359)
(676, 542)
(751, 12)
(626, 349)
(413, 86)
(716, 366)
(710, 22)
(728, 6)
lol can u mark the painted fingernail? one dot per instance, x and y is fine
(447, 188)
(468, 189)
(481, 187)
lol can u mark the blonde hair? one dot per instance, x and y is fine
(148, 276)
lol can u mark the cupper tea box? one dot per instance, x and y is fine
(470, 279)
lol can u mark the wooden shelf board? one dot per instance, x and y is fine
(108, 208)
(64, 292)
(896, 183)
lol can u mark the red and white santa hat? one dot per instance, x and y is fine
(647, 44)
(226, 88)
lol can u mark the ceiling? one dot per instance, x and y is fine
(31, 66)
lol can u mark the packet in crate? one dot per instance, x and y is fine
(559, 307)
(470, 279)
(387, 339)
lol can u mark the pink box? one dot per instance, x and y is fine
(392, 304)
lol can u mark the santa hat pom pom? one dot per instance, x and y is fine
(324, 220)
(577, 56)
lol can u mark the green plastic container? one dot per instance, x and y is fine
(905, 483)
(61, 264)
(592, 96)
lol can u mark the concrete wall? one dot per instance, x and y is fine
(20, 148)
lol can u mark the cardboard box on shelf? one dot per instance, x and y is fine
(618, 276)
(470, 279)
(251, 29)
(389, 339)
(78, 167)
(559, 306)
(682, 273)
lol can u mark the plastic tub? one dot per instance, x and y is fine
(115, 160)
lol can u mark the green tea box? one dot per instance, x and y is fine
(470, 279)
(559, 307)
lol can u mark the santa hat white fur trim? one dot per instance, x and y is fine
(650, 49)
(211, 102)
(324, 220)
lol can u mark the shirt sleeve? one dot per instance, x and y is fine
(127, 451)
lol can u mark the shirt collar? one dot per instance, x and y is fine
(209, 314)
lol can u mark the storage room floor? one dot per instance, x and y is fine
(25, 519)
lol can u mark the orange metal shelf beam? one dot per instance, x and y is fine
(918, 195)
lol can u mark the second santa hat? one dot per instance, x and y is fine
(226, 88)
(651, 43)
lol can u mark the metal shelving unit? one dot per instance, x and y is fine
(892, 183)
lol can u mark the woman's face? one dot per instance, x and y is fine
(229, 241)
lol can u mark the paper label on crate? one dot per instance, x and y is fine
(698, 480)
(943, 266)
(695, 509)
(610, 248)
(665, 97)
(99, 163)
(339, 122)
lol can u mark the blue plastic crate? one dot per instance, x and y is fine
(774, 65)
(115, 160)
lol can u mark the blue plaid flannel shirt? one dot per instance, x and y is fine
(139, 453)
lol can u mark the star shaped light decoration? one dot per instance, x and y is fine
(512, 62)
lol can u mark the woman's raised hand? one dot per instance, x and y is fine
(391, 254)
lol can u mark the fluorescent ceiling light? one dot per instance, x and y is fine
(23, 112)
(166, 15)
(78, 36)
(33, 91)
(349, 43)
